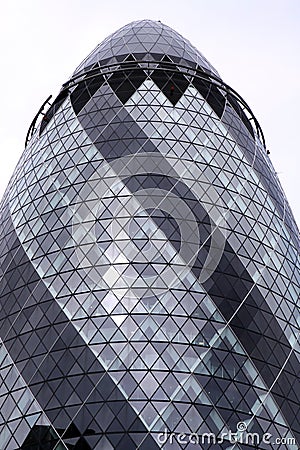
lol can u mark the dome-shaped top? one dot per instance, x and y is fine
(145, 40)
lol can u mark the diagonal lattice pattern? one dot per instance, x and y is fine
(149, 264)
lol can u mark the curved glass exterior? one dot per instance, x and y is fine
(150, 287)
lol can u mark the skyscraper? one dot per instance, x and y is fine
(150, 288)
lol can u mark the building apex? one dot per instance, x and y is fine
(146, 40)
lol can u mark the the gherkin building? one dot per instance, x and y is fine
(149, 291)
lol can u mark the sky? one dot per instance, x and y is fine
(254, 45)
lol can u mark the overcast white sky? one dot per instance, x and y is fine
(254, 44)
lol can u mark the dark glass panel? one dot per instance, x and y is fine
(211, 94)
(124, 83)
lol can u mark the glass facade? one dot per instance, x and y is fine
(149, 281)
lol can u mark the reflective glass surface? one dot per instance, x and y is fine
(149, 265)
